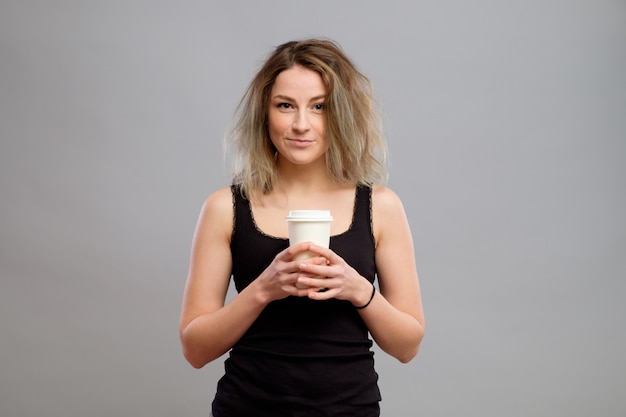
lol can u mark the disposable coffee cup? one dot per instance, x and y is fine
(309, 226)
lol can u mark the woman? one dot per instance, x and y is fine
(307, 137)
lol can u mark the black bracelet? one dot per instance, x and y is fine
(371, 298)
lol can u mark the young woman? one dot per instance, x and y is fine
(307, 137)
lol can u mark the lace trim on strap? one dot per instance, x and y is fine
(234, 191)
(371, 214)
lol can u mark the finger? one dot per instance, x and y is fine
(314, 281)
(294, 291)
(292, 286)
(323, 295)
(314, 260)
(289, 272)
(315, 269)
(307, 275)
(287, 254)
(327, 253)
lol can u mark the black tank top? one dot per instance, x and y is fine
(300, 357)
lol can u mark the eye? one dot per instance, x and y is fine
(283, 106)
(318, 107)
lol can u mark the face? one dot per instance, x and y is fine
(297, 124)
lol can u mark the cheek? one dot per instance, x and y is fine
(321, 124)
(277, 123)
(321, 128)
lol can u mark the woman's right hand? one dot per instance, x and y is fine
(278, 280)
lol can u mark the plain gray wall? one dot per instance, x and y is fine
(507, 131)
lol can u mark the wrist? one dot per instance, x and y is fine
(262, 297)
(366, 301)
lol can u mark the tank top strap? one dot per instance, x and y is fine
(242, 220)
(363, 209)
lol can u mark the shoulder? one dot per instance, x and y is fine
(388, 213)
(218, 210)
(219, 201)
(385, 200)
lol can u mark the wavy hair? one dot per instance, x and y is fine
(357, 148)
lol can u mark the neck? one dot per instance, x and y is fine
(296, 179)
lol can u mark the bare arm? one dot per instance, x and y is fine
(395, 316)
(208, 328)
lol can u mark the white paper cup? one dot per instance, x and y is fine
(309, 226)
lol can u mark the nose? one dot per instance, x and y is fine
(301, 122)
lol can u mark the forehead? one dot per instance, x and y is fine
(299, 80)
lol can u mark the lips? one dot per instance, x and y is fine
(300, 142)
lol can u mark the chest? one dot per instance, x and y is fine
(270, 217)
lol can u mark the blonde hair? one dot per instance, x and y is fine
(357, 148)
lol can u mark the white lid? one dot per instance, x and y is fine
(310, 216)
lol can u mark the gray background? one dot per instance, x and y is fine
(507, 130)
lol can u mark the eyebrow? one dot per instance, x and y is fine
(287, 98)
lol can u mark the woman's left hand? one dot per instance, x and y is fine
(336, 279)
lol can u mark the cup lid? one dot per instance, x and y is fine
(309, 215)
